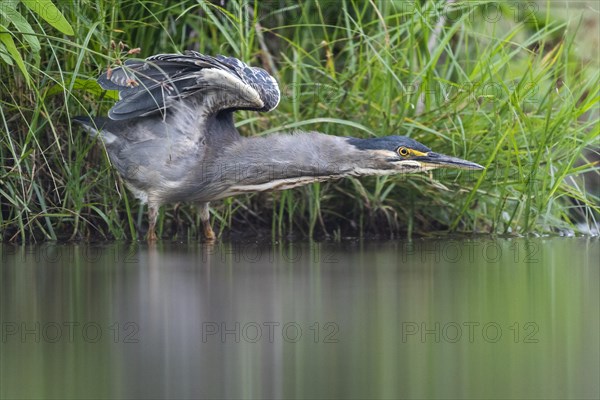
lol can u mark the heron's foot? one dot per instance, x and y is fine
(151, 237)
(209, 234)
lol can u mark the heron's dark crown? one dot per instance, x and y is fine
(388, 143)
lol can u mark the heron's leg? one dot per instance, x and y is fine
(209, 235)
(152, 215)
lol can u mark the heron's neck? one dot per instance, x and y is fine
(283, 161)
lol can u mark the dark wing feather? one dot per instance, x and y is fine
(159, 82)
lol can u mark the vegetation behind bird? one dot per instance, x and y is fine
(512, 93)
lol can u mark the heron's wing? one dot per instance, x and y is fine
(213, 83)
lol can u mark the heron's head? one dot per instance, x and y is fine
(400, 154)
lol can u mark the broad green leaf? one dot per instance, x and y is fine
(9, 43)
(12, 15)
(87, 85)
(51, 14)
(4, 55)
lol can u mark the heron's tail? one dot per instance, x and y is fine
(95, 127)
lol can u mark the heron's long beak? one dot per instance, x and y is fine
(441, 160)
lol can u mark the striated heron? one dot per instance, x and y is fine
(172, 138)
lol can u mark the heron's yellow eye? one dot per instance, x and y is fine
(403, 151)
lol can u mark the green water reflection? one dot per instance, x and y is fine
(506, 318)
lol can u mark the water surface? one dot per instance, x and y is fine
(502, 318)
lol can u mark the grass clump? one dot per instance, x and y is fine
(502, 84)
